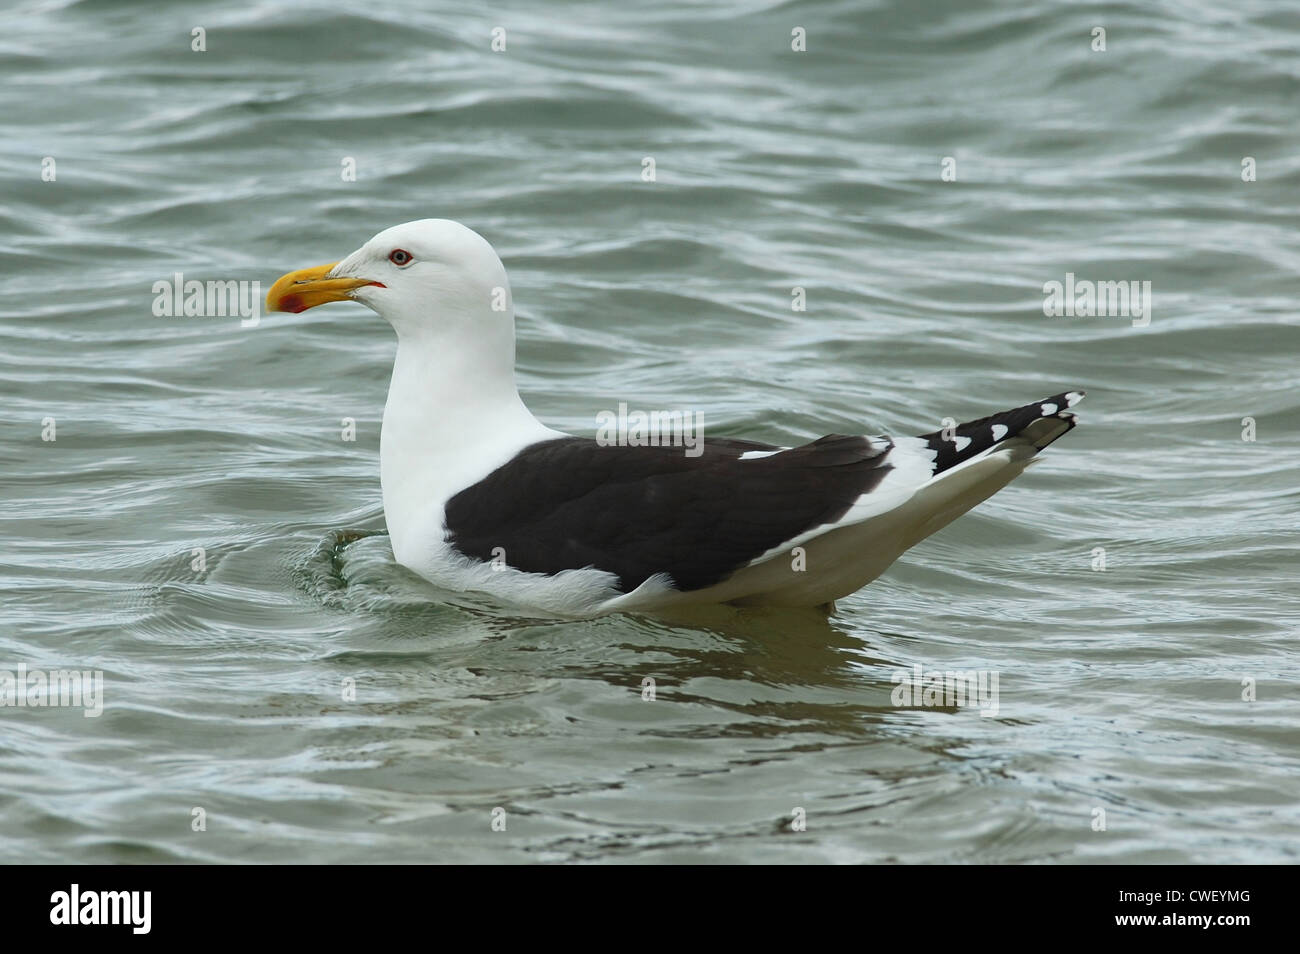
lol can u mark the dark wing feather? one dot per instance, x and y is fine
(571, 503)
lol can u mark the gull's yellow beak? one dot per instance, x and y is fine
(308, 287)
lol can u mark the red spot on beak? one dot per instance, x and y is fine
(379, 284)
(292, 303)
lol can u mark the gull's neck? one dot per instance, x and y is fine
(452, 417)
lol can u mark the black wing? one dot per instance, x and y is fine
(571, 503)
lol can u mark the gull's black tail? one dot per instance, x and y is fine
(1039, 423)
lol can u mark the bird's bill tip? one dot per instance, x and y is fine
(309, 287)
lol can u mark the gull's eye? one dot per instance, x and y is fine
(400, 257)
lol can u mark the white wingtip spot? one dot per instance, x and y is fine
(962, 443)
(1049, 409)
(999, 431)
(1073, 398)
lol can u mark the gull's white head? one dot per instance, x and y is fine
(433, 280)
